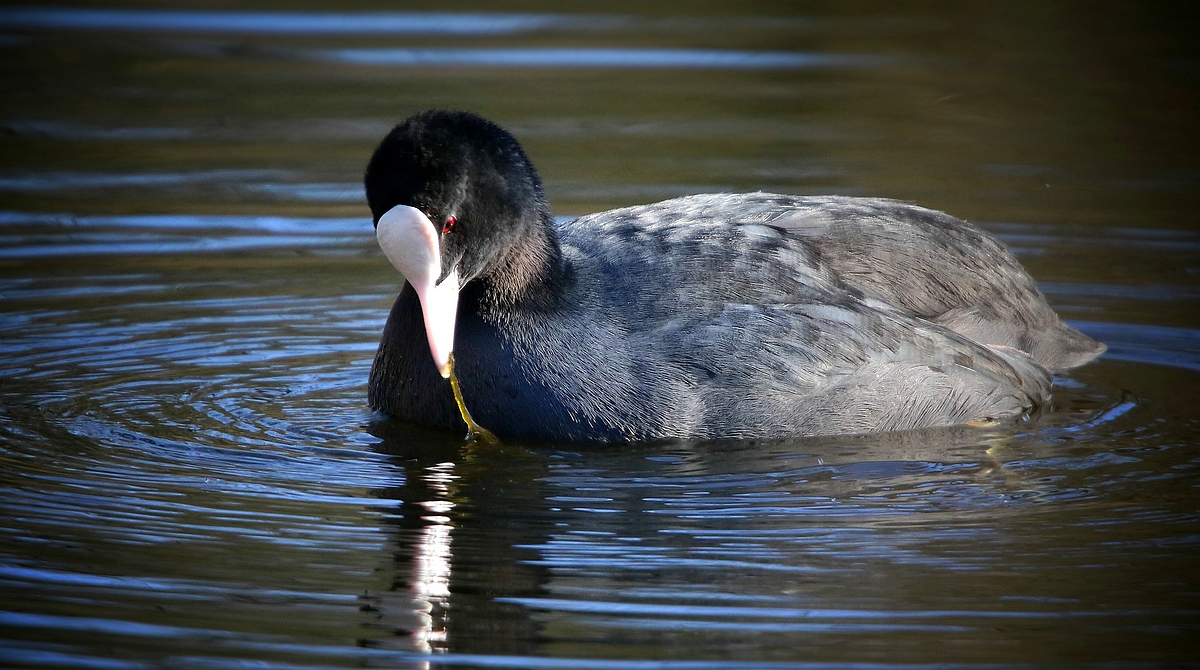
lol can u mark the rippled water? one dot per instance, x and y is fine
(191, 296)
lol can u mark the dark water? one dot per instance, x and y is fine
(190, 298)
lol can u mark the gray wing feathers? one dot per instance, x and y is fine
(928, 263)
(821, 315)
(941, 269)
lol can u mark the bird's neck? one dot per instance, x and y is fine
(531, 275)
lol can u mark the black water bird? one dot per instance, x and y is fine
(708, 316)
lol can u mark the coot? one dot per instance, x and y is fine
(710, 316)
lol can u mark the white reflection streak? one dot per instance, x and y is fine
(431, 579)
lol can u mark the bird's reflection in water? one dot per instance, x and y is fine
(487, 534)
(412, 614)
(458, 548)
(431, 561)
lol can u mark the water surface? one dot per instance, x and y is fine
(191, 296)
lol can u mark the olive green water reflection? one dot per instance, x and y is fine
(190, 297)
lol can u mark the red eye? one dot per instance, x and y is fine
(451, 221)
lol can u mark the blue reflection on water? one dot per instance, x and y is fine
(1142, 343)
(318, 192)
(377, 23)
(75, 131)
(602, 58)
(55, 181)
(692, 610)
(265, 224)
(250, 181)
(34, 235)
(110, 626)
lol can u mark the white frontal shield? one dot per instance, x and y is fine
(410, 241)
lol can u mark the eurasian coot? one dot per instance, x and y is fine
(709, 316)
